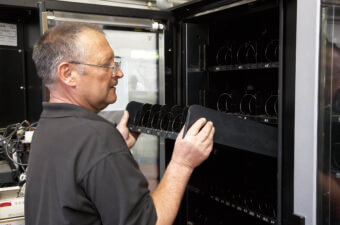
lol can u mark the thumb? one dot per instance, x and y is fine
(124, 119)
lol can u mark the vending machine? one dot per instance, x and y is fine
(253, 61)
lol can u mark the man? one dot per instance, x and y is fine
(80, 168)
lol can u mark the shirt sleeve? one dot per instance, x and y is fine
(119, 191)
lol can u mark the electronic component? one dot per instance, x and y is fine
(15, 142)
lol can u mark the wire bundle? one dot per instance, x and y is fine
(12, 148)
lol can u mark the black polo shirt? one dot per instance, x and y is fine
(82, 173)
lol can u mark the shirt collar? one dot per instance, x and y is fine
(57, 110)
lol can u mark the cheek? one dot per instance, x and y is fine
(102, 85)
(107, 81)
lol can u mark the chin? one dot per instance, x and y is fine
(113, 100)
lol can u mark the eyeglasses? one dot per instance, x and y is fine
(114, 68)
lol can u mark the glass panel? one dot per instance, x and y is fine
(137, 52)
(329, 117)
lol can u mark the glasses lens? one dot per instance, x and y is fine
(116, 67)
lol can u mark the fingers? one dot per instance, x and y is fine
(124, 119)
(205, 132)
(135, 135)
(211, 138)
(196, 127)
(211, 134)
(208, 142)
(196, 146)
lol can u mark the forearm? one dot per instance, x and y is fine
(168, 195)
(189, 152)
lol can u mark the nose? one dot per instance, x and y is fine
(119, 73)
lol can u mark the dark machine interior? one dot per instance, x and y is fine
(20, 92)
(232, 65)
(20, 88)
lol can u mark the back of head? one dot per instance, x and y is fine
(60, 44)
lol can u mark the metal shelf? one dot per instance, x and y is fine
(250, 66)
(233, 204)
(156, 132)
(259, 118)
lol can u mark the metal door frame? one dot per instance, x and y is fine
(306, 109)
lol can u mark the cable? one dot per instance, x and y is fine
(10, 158)
(6, 140)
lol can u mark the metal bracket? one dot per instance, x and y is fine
(156, 26)
(43, 16)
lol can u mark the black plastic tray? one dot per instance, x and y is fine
(230, 130)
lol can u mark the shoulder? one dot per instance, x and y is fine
(79, 133)
(102, 132)
(96, 141)
(105, 131)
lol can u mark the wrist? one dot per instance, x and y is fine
(180, 167)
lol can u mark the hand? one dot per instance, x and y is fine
(129, 136)
(196, 146)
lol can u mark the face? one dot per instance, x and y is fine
(97, 87)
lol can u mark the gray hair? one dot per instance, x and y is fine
(60, 44)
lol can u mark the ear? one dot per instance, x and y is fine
(66, 74)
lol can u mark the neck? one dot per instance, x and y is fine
(55, 97)
(59, 99)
